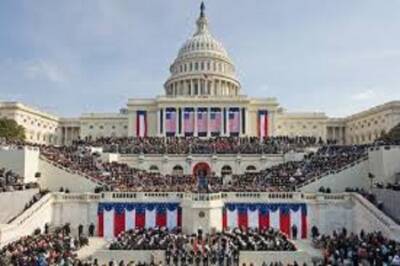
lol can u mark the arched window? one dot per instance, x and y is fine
(251, 169)
(177, 170)
(226, 170)
(154, 169)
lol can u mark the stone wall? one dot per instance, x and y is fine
(34, 218)
(366, 216)
(390, 200)
(24, 162)
(18, 199)
(53, 177)
(166, 164)
(384, 163)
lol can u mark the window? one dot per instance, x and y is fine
(101, 127)
(251, 169)
(177, 170)
(154, 169)
(226, 170)
(91, 127)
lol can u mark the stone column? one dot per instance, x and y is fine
(227, 122)
(195, 122)
(177, 122)
(158, 123)
(164, 117)
(208, 121)
(240, 121)
(183, 121)
(222, 120)
(271, 123)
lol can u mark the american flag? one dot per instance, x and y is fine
(215, 121)
(170, 121)
(234, 123)
(202, 120)
(188, 121)
(263, 123)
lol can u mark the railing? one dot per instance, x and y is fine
(197, 155)
(81, 197)
(224, 196)
(142, 195)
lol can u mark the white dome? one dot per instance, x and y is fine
(202, 41)
(202, 67)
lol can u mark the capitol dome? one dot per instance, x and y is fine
(202, 67)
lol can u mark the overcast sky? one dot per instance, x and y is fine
(75, 56)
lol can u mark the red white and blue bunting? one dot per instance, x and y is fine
(141, 124)
(114, 218)
(281, 216)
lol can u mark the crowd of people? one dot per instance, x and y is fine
(195, 145)
(11, 181)
(286, 176)
(48, 248)
(283, 177)
(220, 248)
(343, 248)
(391, 186)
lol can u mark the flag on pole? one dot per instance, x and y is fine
(263, 124)
(202, 121)
(234, 121)
(215, 120)
(170, 121)
(188, 118)
(141, 124)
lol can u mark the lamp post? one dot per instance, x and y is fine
(371, 180)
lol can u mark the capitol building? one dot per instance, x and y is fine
(203, 97)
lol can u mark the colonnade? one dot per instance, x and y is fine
(224, 129)
(202, 87)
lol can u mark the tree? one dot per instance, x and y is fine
(9, 129)
(393, 135)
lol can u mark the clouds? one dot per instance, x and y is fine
(364, 95)
(44, 70)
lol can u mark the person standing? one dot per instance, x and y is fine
(91, 230)
(294, 232)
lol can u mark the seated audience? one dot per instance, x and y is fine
(11, 181)
(56, 248)
(343, 248)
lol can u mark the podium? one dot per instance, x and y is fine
(202, 211)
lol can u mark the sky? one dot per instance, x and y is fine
(70, 57)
